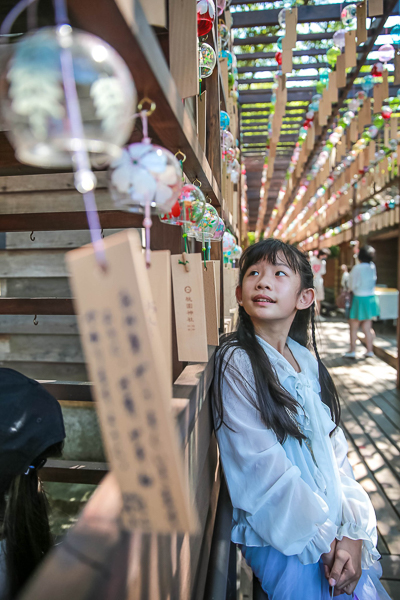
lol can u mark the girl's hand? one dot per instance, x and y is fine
(346, 570)
(328, 559)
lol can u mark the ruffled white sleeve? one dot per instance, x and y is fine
(358, 515)
(279, 506)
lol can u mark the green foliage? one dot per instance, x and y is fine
(251, 236)
(335, 251)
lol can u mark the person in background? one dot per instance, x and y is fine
(318, 266)
(31, 430)
(344, 282)
(364, 306)
(345, 291)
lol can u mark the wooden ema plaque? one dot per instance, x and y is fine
(190, 311)
(128, 367)
(211, 301)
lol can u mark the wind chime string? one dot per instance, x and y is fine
(147, 222)
(85, 180)
(13, 15)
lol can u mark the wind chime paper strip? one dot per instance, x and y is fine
(159, 275)
(127, 365)
(211, 303)
(190, 312)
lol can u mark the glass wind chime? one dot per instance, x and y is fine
(50, 75)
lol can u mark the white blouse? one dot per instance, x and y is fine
(362, 279)
(283, 495)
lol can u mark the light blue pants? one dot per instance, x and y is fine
(286, 578)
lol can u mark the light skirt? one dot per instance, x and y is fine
(364, 308)
(286, 578)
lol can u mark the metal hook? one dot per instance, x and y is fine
(35, 320)
(149, 101)
(198, 182)
(182, 154)
(32, 237)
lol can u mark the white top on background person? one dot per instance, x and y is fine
(363, 279)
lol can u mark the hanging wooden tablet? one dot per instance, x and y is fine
(183, 46)
(377, 98)
(223, 65)
(127, 365)
(290, 38)
(155, 11)
(354, 130)
(210, 299)
(367, 113)
(393, 128)
(375, 8)
(287, 60)
(333, 87)
(386, 132)
(350, 52)
(361, 32)
(341, 71)
(159, 275)
(202, 119)
(190, 312)
(397, 67)
(385, 85)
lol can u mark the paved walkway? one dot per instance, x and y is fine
(371, 420)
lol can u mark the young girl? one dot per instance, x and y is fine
(304, 525)
(31, 430)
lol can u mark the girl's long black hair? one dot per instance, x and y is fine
(24, 523)
(277, 407)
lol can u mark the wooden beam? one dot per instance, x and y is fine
(69, 471)
(375, 29)
(306, 14)
(272, 39)
(36, 306)
(64, 221)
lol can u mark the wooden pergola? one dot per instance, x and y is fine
(257, 33)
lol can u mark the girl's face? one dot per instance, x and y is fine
(272, 292)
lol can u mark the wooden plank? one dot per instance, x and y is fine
(50, 239)
(57, 349)
(36, 306)
(66, 220)
(68, 471)
(48, 325)
(32, 263)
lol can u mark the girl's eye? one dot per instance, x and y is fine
(253, 272)
(280, 273)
